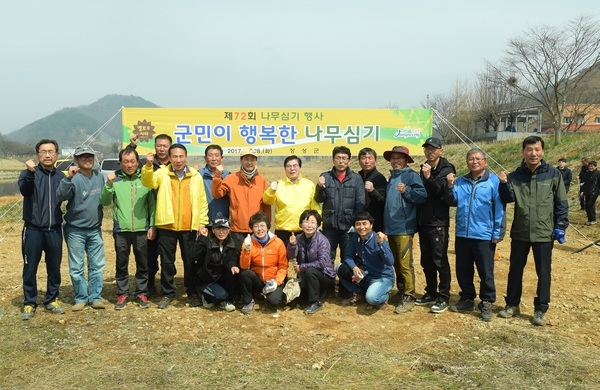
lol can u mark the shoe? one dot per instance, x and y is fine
(509, 311)
(425, 300)
(28, 312)
(227, 306)
(195, 300)
(142, 301)
(590, 223)
(353, 300)
(55, 307)
(486, 311)
(313, 307)
(538, 318)
(121, 302)
(248, 307)
(439, 307)
(206, 304)
(78, 306)
(407, 304)
(463, 306)
(98, 305)
(164, 302)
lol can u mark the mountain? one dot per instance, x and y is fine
(73, 125)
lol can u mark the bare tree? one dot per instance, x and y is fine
(548, 64)
(458, 109)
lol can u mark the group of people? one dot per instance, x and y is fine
(221, 222)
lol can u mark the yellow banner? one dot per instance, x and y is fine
(278, 132)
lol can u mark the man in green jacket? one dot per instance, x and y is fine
(541, 210)
(133, 225)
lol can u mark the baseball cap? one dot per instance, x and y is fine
(398, 149)
(81, 150)
(220, 222)
(248, 151)
(433, 141)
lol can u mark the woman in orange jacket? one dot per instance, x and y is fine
(263, 264)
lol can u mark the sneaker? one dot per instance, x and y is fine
(121, 302)
(164, 302)
(425, 300)
(463, 306)
(538, 318)
(313, 307)
(590, 223)
(206, 304)
(354, 299)
(28, 312)
(227, 306)
(142, 301)
(439, 307)
(407, 304)
(486, 311)
(98, 305)
(78, 306)
(55, 307)
(195, 301)
(509, 311)
(248, 307)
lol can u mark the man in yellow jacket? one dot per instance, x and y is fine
(291, 196)
(181, 214)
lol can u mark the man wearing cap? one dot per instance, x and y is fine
(375, 185)
(433, 220)
(42, 231)
(405, 191)
(181, 214)
(82, 229)
(245, 189)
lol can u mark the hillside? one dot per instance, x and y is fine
(70, 126)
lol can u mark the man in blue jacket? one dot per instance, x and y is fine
(42, 231)
(370, 258)
(479, 227)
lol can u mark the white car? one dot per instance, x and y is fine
(109, 165)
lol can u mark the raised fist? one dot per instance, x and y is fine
(274, 186)
(30, 165)
(150, 159)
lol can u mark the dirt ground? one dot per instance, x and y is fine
(341, 344)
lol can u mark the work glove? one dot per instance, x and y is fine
(559, 235)
(247, 243)
(269, 287)
(274, 186)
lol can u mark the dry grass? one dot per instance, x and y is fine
(339, 347)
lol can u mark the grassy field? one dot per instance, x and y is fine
(339, 347)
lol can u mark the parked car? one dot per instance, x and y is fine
(64, 164)
(109, 165)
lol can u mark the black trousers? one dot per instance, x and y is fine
(250, 284)
(123, 243)
(314, 284)
(167, 248)
(33, 244)
(481, 254)
(542, 256)
(433, 241)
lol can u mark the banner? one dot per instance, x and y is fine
(278, 132)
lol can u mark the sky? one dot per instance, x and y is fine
(253, 54)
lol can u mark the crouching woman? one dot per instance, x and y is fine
(263, 264)
(313, 265)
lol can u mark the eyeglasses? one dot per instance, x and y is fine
(475, 159)
(86, 157)
(262, 226)
(294, 166)
(47, 152)
(341, 158)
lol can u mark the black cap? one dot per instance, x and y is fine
(433, 141)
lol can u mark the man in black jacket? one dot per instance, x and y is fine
(42, 231)
(433, 219)
(590, 190)
(342, 193)
(375, 186)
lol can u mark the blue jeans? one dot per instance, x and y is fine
(337, 238)
(377, 290)
(82, 241)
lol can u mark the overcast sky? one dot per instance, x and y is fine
(309, 53)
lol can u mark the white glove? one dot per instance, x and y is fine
(270, 286)
(247, 243)
(274, 186)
